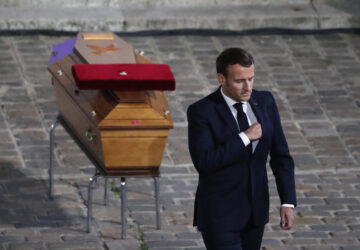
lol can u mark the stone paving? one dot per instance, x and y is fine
(316, 82)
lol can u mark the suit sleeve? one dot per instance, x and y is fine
(207, 155)
(281, 162)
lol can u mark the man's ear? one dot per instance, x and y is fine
(221, 78)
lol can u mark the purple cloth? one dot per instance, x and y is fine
(61, 50)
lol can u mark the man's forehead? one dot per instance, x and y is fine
(252, 66)
(237, 69)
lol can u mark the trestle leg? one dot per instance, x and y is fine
(51, 174)
(123, 207)
(157, 203)
(90, 198)
(106, 191)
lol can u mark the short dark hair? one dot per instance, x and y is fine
(232, 56)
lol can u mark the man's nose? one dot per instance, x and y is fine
(247, 84)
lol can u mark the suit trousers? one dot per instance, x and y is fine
(248, 239)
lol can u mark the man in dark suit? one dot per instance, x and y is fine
(231, 133)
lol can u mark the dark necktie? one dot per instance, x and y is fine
(241, 117)
(242, 120)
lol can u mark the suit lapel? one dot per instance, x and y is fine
(256, 106)
(225, 112)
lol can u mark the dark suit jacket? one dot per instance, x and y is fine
(225, 200)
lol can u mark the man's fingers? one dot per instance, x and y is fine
(255, 125)
(290, 220)
(282, 221)
(285, 224)
(287, 219)
(260, 130)
(288, 223)
(254, 132)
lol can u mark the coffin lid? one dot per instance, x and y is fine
(126, 109)
(103, 48)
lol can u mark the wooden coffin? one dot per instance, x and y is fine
(124, 131)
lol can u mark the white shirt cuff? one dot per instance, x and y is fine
(244, 138)
(287, 205)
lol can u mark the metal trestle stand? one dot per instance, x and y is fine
(99, 172)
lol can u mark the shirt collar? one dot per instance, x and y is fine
(229, 101)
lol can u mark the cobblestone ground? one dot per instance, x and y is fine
(316, 81)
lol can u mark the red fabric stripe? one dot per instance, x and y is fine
(123, 76)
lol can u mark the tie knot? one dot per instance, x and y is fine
(238, 106)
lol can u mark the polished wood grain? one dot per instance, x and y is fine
(131, 96)
(158, 101)
(134, 133)
(133, 151)
(134, 113)
(140, 124)
(78, 121)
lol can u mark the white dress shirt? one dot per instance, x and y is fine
(249, 115)
(251, 120)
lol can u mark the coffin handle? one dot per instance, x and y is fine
(90, 135)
